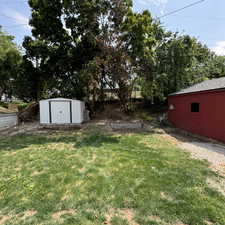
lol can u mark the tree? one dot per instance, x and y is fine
(81, 48)
(126, 46)
(63, 42)
(180, 61)
(215, 66)
(10, 59)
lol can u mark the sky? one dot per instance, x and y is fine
(205, 21)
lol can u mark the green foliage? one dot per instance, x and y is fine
(180, 61)
(81, 48)
(10, 59)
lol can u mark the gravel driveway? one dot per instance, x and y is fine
(214, 153)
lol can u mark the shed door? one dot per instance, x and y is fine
(60, 112)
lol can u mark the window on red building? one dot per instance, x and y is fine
(195, 107)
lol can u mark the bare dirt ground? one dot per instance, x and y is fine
(20, 129)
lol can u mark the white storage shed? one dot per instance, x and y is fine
(62, 111)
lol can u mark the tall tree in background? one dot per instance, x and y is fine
(63, 41)
(126, 46)
(10, 59)
(180, 61)
(81, 48)
(113, 65)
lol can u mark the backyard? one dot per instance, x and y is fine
(97, 177)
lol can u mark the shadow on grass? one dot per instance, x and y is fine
(96, 139)
(23, 141)
(92, 138)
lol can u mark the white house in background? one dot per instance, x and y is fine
(62, 111)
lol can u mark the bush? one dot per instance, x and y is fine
(4, 104)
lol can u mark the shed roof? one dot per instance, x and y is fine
(208, 85)
(60, 99)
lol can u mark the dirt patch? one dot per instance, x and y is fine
(66, 196)
(28, 213)
(127, 214)
(82, 170)
(179, 223)
(155, 218)
(109, 216)
(18, 169)
(12, 153)
(36, 173)
(219, 185)
(21, 129)
(171, 139)
(208, 222)
(94, 157)
(166, 196)
(60, 146)
(3, 219)
(57, 216)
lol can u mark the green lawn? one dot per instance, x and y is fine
(95, 178)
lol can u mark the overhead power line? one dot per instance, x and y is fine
(203, 17)
(178, 10)
(12, 18)
(18, 25)
(8, 17)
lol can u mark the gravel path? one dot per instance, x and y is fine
(214, 153)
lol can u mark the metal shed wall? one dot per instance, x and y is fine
(8, 120)
(76, 108)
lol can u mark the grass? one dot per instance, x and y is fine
(94, 178)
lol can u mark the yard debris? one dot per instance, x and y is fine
(4, 110)
(13, 107)
(121, 125)
(29, 113)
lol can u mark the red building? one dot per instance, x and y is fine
(200, 109)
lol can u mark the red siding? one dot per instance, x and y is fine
(209, 121)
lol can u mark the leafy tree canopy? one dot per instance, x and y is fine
(10, 58)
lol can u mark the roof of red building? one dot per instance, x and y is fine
(208, 85)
